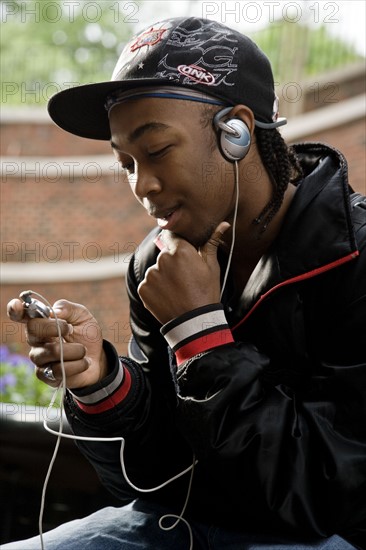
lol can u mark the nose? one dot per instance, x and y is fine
(144, 183)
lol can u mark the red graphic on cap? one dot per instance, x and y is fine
(148, 38)
(198, 74)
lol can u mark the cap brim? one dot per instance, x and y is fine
(81, 110)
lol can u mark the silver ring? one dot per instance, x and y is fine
(48, 373)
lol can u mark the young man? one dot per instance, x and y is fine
(242, 401)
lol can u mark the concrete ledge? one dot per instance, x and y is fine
(23, 115)
(325, 118)
(341, 75)
(109, 267)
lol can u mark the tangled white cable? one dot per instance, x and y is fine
(60, 434)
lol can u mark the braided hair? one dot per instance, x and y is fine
(282, 166)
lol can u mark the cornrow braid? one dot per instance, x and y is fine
(282, 166)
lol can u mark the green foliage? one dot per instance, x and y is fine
(298, 50)
(53, 45)
(48, 46)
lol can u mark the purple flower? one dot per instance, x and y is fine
(16, 360)
(6, 381)
(4, 353)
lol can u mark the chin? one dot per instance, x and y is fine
(196, 239)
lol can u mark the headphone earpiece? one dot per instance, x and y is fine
(234, 136)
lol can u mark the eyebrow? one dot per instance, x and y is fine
(138, 132)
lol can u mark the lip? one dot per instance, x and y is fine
(169, 219)
(160, 213)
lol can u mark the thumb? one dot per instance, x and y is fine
(74, 314)
(83, 327)
(209, 250)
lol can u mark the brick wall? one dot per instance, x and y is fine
(333, 87)
(350, 139)
(89, 217)
(69, 220)
(45, 139)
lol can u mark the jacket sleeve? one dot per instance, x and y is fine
(136, 402)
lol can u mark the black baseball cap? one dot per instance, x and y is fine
(197, 54)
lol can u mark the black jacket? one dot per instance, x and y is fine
(276, 419)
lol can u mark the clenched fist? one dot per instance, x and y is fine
(183, 278)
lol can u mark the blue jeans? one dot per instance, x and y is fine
(136, 527)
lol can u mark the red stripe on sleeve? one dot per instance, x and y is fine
(112, 401)
(204, 343)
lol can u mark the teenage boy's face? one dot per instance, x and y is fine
(173, 166)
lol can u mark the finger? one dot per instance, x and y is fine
(44, 330)
(76, 316)
(41, 374)
(209, 250)
(51, 352)
(16, 312)
(72, 369)
(72, 313)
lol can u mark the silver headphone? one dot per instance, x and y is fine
(234, 136)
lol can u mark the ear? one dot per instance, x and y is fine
(245, 114)
(236, 128)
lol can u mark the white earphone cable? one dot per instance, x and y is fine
(233, 229)
(60, 434)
